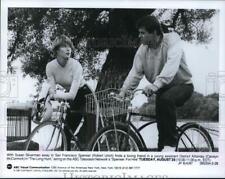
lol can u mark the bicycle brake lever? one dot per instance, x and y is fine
(118, 98)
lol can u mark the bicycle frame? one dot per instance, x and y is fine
(77, 143)
(130, 128)
(179, 129)
(62, 123)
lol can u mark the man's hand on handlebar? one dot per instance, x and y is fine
(150, 90)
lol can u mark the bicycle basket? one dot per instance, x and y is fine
(108, 105)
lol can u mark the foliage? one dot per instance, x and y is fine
(191, 23)
(31, 31)
(201, 107)
(197, 107)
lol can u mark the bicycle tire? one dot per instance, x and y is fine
(41, 126)
(201, 130)
(119, 128)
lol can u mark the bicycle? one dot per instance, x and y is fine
(124, 136)
(49, 135)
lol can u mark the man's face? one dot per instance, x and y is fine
(147, 38)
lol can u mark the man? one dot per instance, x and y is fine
(161, 59)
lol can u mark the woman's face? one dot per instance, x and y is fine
(147, 38)
(64, 51)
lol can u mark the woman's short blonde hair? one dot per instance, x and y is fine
(62, 41)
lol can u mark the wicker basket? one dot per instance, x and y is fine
(109, 106)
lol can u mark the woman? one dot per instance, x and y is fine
(68, 73)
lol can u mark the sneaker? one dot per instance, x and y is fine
(168, 149)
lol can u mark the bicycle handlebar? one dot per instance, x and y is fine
(62, 101)
(143, 92)
(129, 97)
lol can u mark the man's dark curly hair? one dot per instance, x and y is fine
(151, 24)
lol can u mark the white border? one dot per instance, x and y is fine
(169, 169)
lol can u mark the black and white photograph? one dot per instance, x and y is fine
(113, 79)
(105, 79)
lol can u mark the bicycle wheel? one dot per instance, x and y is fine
(48, 136)
(194, 138)
(121, 139)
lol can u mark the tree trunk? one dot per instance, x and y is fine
(122, 25)
(118, 63)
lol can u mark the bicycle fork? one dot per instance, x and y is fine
(115, 130)
(116, 133)
(128, 117)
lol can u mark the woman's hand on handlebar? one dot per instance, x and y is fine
(51, 96)
(51, 93)
(122, 94)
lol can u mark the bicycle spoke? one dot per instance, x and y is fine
(51, 138)
(114, 124)
(107, 142)
(194, 138)
(184, 143)
(47, 137)
(57, 140)
(190, 140)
